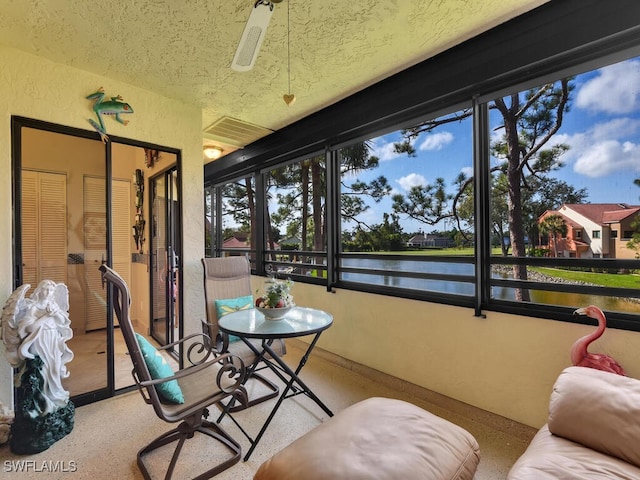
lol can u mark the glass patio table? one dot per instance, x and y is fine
(298, 322)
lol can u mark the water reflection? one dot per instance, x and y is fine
(411, 265)
(564, 299)
(573, 300)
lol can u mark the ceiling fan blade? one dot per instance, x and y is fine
(252, 36)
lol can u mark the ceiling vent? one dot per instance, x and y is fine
(232, 131)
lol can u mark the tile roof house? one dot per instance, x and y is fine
(241, 240)
(433, 241)
(594, 230)
(235, 242)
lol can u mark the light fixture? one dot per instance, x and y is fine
(212, 151)
(253, 35)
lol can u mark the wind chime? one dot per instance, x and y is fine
(138, 226)
(289, 97)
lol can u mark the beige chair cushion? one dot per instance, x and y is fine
(599, 410)
(381, 439)
(549, 457)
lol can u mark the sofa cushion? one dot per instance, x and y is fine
(599, 410)
(549, 457)
(378, 439)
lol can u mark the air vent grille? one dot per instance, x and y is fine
(232, 131)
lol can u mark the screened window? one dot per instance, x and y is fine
(406, 208)
(397, 214)
(296, 235)
(237, 226)
(564, 159)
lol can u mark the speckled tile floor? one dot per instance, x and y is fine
(107, 434)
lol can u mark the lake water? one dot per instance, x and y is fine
(573, 300)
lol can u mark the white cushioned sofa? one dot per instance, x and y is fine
(593, 431)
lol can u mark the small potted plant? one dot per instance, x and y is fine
(277, 299)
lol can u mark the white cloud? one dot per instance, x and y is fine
(617, 128)
(412, 180)
(468, 171)
(607, 157)
(613, 90)
(436, 141)
(384, 150)
(604, 148)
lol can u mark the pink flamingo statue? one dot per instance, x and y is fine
(579, 354)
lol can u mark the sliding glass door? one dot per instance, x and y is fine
(61, 225)
(165, 261)
(78, 203)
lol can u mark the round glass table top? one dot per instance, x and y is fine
(297, 322)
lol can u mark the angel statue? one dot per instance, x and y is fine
(35, 331)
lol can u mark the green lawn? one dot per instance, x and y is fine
(604, 279)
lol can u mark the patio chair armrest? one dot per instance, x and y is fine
(221, 342)
(143, 392)
(184, 339)
(227, 365)
(203, 346)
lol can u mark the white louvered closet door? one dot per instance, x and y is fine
(44, 227)
(96, 241)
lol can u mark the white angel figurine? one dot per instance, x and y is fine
(40, 326)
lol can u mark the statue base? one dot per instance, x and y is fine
(32, 431)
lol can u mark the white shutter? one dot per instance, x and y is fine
(95, 250)
(44, 227)
(96, 243)
(53, 227)
(122, 228)
(29, 222)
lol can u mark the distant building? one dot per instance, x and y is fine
(594, 230)
(430, 241)
(237, 240)
(241, 240)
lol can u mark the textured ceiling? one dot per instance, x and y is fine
(183, 48)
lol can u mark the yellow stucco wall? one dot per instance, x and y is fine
(43, 90)
(505, 364)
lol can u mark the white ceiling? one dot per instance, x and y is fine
(183, 49)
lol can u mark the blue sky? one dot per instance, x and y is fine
(602, 130)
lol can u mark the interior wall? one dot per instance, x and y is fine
(54, 152)
(63, 154)
(126, 159)
(504, 364)
(40, 89)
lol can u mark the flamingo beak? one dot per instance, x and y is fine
(580, 311)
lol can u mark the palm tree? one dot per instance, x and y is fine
(554, 225)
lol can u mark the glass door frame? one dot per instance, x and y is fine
(172, 241)
(17, 124)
